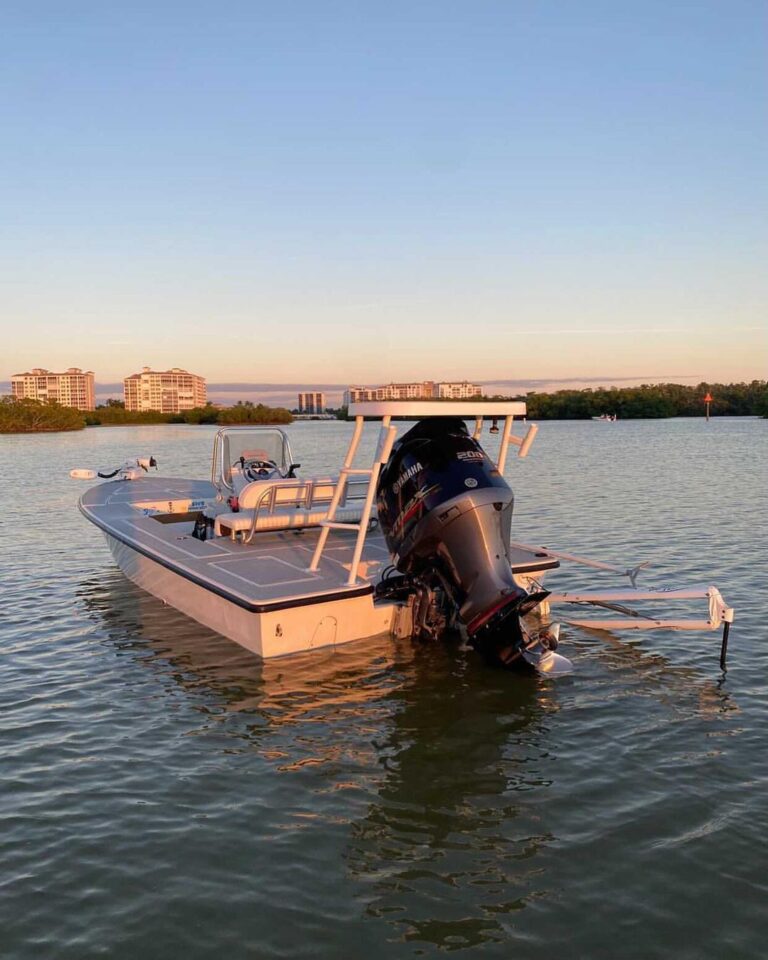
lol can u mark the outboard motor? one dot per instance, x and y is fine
(446, 513)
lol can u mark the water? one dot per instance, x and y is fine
(165, 795)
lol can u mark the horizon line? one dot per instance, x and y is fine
(230, 386)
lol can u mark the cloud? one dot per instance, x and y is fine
(622, 331)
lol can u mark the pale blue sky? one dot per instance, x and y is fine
(350, 191)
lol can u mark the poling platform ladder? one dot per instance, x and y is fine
(387, 434)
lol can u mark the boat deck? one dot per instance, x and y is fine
(267, 574)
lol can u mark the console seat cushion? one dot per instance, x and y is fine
(285, 518)
(285, 490)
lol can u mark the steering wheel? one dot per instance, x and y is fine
(254, 469)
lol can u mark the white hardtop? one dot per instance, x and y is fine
(468, 409)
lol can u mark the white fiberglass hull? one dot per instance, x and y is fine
(268, 634)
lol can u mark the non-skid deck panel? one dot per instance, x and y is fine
(271, 570)
(150, 487)
(523, 561)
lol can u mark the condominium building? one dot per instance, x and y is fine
(168, 391)
(457, 391)
(389, 391)
(313, 402)
(425, 390)
(73, 388)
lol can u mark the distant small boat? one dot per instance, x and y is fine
(606, 418)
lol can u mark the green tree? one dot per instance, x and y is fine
(35, 416)
(246, 412)
(206, 414)
(650, 401)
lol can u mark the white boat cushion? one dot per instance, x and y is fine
(285, 518)
(286, 490)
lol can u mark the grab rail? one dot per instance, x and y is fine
(308, 494)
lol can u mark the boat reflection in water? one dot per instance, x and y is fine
(430, 789)
(431, 760)
(451, 845)
(226, 679)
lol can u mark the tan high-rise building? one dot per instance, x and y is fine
(73, 388)
(313, 402)
(167, 391)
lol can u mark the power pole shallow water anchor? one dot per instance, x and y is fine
(724, 644)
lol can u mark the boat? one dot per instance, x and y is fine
(606, 418)
(416, 544)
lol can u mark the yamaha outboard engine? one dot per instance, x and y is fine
(446, 513)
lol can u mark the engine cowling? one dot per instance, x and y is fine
(446, 512)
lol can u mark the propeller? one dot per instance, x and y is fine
(540, 653)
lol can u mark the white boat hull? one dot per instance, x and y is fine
(269, 634)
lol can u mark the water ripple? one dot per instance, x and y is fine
(164, 794)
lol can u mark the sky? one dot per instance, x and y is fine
(358, 192)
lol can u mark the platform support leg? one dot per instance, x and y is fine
(338, 492)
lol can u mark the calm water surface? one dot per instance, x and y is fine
(166, 795)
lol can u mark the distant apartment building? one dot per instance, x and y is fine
(425, 390)
(168, 391)
(458, 391)
(389, 391)
(73, 388)
(313, 402)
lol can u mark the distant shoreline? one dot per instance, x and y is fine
(647, 402)
(49, 430)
